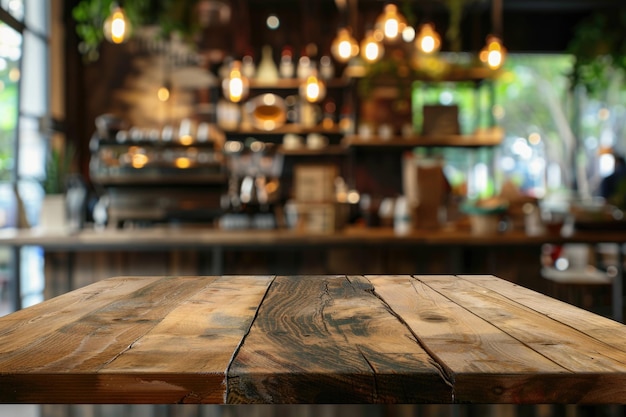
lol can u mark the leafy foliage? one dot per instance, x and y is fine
(58, 167)
(170, 15)
(599, 46)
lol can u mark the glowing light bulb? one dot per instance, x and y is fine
(139, 160)
(163, 94)
(313, 90)
(344, 46)
(371, 48)
(428, 40)
(182, 162)
(493, 54)
(117, 26)
(236, 86)
(391, 22)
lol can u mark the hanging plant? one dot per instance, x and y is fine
(599, 49)
(169, 15)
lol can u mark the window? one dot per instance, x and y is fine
(24, 103)
(547, 146)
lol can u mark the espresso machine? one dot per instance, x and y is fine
(253, 199)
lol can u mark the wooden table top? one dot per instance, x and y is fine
(310, 339)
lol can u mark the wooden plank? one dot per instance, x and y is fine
(608, 331)
(470, 349)
(331, 340)
(596, 371)
(197, 339)
(23, 328)
(77, 362)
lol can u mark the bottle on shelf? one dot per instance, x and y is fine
(327, 69)
(286, 67)
(346, 120)
(248, 68)
(305, 66)
(267, 72)
(328, 118)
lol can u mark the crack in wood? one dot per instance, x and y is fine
(374, 374)
(325, 298)
(446, 374)
(243, 340)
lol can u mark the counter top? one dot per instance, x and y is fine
(197, 237)
(310, 339)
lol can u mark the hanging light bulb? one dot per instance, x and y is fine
(236, 86)
(117, 26)
(408, 34)
(391, 22)
(493, 54)
(428, 40)
(313, 89)
(344, 46)
(372, 48)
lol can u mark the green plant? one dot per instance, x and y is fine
(58, 167)
(169, 15)
(599, 49)
(394, 70)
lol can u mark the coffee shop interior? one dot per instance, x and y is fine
(201, 137)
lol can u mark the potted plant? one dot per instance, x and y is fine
(53, 213)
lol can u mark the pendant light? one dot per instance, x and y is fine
(344, 46)
(313, 89)
(493, 54)
(236, 86)
(117, 27)
(428, 40)
(372, 48)
(391, 23)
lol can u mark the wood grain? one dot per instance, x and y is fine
(566, 346)
(101, 356)
(599, 327)
(41, 320)
(468, 347)
(331, 340)
(310, 339)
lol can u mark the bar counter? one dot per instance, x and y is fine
(310, 339)
(518, 252)
(205, 237)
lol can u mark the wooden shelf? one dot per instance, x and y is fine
(152, 178)
(155, 143)
(452, 74)
(294, 83)
(460, 74)
(288, 128)
(490, 137)
(304, 151)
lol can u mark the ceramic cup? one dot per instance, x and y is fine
(316, 141)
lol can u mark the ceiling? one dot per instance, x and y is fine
(527, 25)
(544, 5)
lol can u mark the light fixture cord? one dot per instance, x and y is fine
(496, 17)
(352, 15)
(407, 11)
